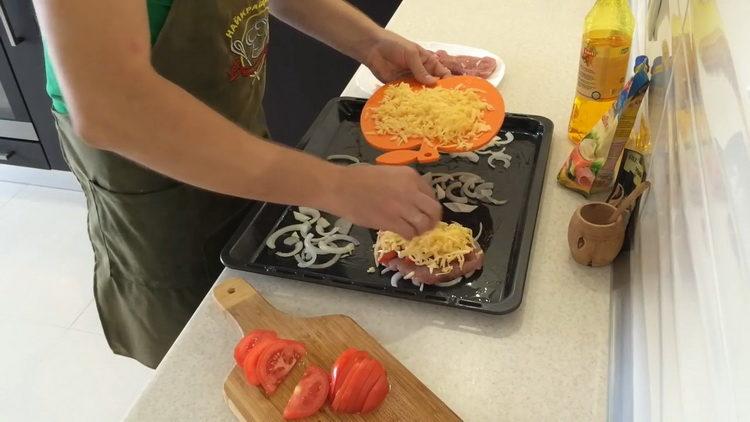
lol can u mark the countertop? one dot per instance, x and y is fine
(546, 361)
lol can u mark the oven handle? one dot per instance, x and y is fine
(12, 38)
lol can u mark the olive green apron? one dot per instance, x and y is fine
(157, 241)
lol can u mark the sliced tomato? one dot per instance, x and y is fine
(248, 342)
(345, 397)
(342, 366)
(387, 257)
(250, 364)
(374, 372)
(276, 361)
(309, 395)
(377, 394)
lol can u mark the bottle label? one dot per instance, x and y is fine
(601, 72)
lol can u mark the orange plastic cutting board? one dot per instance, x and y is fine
(325, 337)
(398, 154)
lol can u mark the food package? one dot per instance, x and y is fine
(590, 167)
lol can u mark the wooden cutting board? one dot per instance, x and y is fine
(325, 338)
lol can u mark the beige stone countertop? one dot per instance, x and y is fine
(546, 361)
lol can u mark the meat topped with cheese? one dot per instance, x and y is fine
(443, 254)
(422, 274)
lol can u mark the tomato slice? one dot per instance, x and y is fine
(342, 366)
(309, 395)
(250, 363)
(248, 342)
(387, 257)
(374, 372)
(377, 394)
(344, 400)
(276, 361)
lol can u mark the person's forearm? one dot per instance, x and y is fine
(334, 22)
(164, 128)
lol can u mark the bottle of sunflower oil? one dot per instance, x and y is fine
(605, 51)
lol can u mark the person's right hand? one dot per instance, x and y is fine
(386, 198)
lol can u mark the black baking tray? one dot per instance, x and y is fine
(507, 230)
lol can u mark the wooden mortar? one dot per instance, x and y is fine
(592, 240)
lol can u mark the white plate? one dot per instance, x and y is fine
(368, 83)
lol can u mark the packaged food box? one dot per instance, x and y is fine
(590, 167)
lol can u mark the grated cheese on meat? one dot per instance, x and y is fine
(444, 117)
(437, 249)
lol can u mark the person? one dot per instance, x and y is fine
(158, 109)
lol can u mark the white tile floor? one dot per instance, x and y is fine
(55, 364)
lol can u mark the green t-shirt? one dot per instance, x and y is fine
(157, 14)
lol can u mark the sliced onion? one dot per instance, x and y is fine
(291, 240)
(471, 156)
(344, 237)
(486, 149)
(499, 155)
(322, 225)
(450, 283)
(307, 259)
(409, 276)
(458, 207)
(493, 201)
(508, 139)
(395, 278)
(465, 176)
(439, 192)
(467, 188)
(325, 247)
(440, 179)
(301, 217)
(310, 247)
(326, 264)
(385, 270)
(271, 241)
(343, 157)
(295, 250)
(312, 212)
(455, 198)
(343, 225)
(479, 232)
(322, 232)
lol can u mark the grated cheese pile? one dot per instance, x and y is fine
(437, 249)
(445, 117)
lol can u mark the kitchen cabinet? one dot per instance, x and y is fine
(27, 131)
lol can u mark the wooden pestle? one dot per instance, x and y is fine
(628, 201)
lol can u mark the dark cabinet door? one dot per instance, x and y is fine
(22, 44)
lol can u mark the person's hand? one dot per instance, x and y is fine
(385, 198)
(393, 57)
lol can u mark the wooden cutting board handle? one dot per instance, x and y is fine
(236, 291)
(325, 338)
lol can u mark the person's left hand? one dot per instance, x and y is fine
(393, 57)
